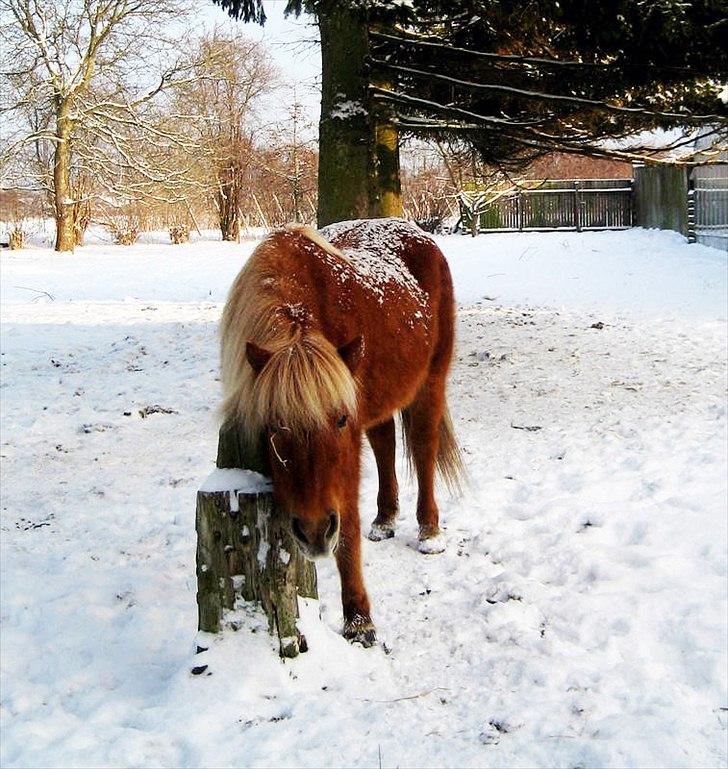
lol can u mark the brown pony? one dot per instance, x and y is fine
(329, 334)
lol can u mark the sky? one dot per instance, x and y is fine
(293, 45)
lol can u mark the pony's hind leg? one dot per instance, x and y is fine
(382, 440)
(422, 421)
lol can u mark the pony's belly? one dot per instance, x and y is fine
(390, 385)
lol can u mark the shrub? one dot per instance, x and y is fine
(124, 231)
(179, 233)
(17, 239)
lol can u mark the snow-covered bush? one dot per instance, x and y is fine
(124, 230)
(179, 233)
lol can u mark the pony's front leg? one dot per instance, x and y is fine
(358, 625)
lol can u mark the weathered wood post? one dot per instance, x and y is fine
(577, 206)
(245, 550)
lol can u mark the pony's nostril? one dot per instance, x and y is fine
(333, 526)
(298, 531)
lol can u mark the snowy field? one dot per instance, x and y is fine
(577, 618)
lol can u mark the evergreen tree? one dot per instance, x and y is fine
(517, 80)
(513, 80)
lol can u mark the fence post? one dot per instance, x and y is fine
(577, 207)
(631, 205)
(475, 214)
(519, 210)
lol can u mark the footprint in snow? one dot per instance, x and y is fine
(96, 427)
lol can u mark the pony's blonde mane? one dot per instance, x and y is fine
(315, 237)
(305, 382)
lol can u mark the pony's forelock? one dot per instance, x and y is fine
(302, 387)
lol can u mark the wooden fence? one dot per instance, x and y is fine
(584, 204)
(661, 196)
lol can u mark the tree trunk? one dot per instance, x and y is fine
(358, 141)
(296, 191)
(228, 202)
(81, 213)
(385, 194)
(344, 128)
(245, 549)
(65, 237)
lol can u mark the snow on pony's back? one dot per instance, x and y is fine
(371, 247)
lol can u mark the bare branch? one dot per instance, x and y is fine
(402, 98)
(548, 97)
(409, 38)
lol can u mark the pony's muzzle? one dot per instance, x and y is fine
(318, 538)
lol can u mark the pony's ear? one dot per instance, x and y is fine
(257, 356)
(352, 353)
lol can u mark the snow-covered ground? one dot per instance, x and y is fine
(578, 617)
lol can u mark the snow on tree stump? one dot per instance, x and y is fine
(245, 549)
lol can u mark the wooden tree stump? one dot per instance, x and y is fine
(245, 549)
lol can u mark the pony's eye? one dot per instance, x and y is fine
(341, 421)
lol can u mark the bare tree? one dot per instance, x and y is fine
(288, 165)
(218, 112)
(295, 177)
(83, 77)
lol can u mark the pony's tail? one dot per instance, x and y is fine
(449, 461)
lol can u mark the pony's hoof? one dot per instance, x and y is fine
(360, 630)
(380, 531)
(432, 545)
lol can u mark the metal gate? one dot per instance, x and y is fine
(708, 205)
(584, 204)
